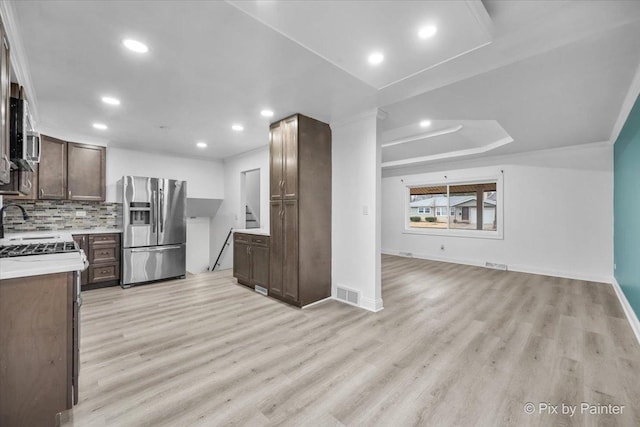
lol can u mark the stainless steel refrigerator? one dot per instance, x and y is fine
(154, 229)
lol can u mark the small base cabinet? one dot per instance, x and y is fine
(103, 254)
(251, 259)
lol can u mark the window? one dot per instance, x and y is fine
(460, 208)
(420, 202)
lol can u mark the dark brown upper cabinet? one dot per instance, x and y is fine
(86, 168)
(71, 171)
(23, 185)
(300, 260)
(276, 161)
(290, 158)
(5, 165)
(284, 159)
(52, 170)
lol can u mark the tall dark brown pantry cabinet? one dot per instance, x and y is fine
(300, 193)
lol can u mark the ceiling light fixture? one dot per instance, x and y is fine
(237, 128)
(201, 145)
(135, 46)
(266, 113)
(425, 123)
(427, 32)
(111, 101)
(376, 58)
(100, 126)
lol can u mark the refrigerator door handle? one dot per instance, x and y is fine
(161, 210)
(156, 249)
(154, 206)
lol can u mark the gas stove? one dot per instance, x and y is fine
(8, 251)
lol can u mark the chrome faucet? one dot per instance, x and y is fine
(24, 216)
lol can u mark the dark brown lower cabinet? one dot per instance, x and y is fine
(103, 254)
(37, 349)
(277, 250)
(284, 261)
(251, 259)
(290, 245)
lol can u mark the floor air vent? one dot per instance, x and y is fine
(495, 266)
(261, 290)
(348, 295)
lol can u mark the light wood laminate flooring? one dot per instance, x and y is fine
(455, 346)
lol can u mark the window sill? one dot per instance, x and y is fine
(473, 234)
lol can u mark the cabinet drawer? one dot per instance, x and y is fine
(241, 238)
(104, 239)
(260, 241)
(104, 254)
(104, 272)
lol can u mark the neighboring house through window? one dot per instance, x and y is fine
(460, 208)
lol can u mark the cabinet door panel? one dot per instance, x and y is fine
(52, 171)
(85, 172)
(241, 261)
(260, 266)
(290, 158)
(276, 255)
(275, 156)
(23, 182)
(290, 266)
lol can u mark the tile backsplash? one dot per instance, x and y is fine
(61, 215)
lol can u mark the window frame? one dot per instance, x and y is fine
(456, 232)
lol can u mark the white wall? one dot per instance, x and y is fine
(558, 213)
(355, 188)
(231, 212)
(198, 230)
(205, 178)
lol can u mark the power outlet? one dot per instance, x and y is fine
(81, 214)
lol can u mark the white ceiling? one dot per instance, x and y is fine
(443, 139)
(554, 74)
(346, 32)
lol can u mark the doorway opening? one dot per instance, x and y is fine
(250, 209)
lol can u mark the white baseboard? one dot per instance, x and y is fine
(317, 302)
(631, 315)
(371, 304)
(510, 267)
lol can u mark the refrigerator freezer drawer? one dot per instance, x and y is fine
(153, 263)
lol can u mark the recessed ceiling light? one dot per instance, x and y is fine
(266, 113)
(201, 145)
(237, 128)
(425, 123)
(111, 101)
(135, 46)
(376, 58)
(427, 32)
(100, 126)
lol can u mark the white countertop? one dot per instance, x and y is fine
(103, 230)
(36, 265)
(257, 231)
